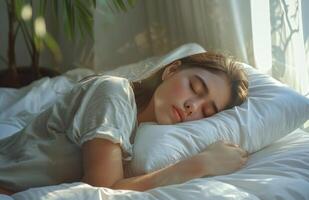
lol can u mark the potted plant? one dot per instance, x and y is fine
(27, 17)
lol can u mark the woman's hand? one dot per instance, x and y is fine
(222, 158)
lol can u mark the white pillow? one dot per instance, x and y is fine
(271, 111)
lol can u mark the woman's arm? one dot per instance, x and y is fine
(102, 162)
(103, 166)
(174, 174)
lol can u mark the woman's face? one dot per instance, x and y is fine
(189, 94)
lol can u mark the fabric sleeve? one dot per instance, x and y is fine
(106, 110)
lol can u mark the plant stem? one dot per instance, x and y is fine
(35, 52)
(27, 37)
(16, 31)
(35, 61)
(11, 40)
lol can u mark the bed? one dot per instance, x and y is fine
(279, 170)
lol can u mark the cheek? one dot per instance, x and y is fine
(176, 90)
(168, 94)
(173, 93)
(166, 97)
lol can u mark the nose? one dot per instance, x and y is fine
(191, 106)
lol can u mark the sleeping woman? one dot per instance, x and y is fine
(88, 134)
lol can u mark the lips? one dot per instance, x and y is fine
(180, 113)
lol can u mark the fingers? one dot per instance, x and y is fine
(242, 152)
(244, 160)
(231, 144)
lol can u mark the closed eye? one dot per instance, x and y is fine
(199, 87)
(196, 86)
(206, 114)
(191, 86)
(206, 91)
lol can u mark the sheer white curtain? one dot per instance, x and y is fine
(268, 34)
(271, 35)
(289, 53)
(215, 24)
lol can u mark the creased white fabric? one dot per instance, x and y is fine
(280, 171)
(46, 151)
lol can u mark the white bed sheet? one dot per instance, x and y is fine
(279, 171)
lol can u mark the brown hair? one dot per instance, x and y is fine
(213, 62)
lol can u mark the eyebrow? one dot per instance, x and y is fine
(206, 89)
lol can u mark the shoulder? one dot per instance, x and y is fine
(114, 81)
(115, 85)
(104, 87)
(108, 83)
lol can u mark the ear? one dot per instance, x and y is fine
(171, 69)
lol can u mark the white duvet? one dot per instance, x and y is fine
(279, 171)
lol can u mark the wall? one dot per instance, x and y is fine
(120, 37)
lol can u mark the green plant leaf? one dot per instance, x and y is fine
(19, 4)
(120, 4)
(80, 27)
(42, 7)
(123, 5)
(38, 42)
(94, 3)
(55, 6)
(27, 36)
(66, 21)
(116, 6)
(70, 17)
(53, 46)
(131, 2)
(84, 19)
